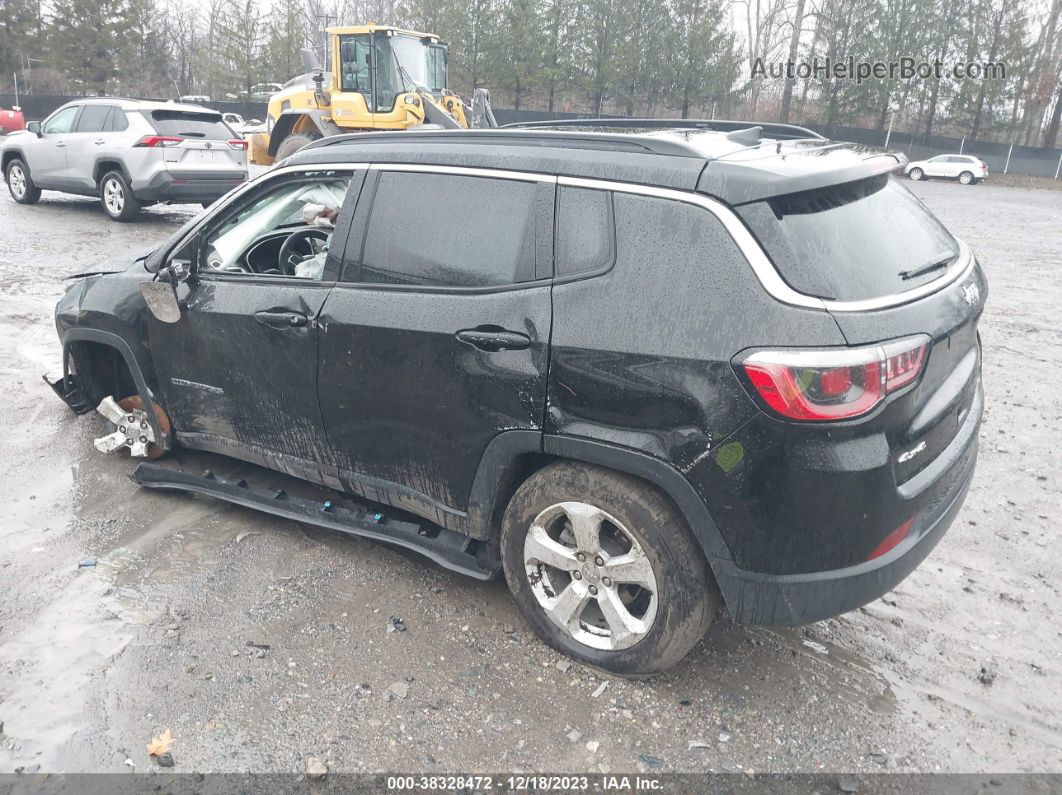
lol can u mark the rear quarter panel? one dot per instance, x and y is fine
(641, 354)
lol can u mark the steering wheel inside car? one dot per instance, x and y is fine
(299, 245)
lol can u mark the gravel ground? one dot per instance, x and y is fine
(261, 642)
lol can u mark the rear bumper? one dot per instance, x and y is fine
(190, 186)
(794, 599)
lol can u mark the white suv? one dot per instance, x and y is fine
(127, 152)
(965, 168)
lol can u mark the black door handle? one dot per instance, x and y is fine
(281, 319)
(495, 340)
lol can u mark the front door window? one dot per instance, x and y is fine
(61, 122)
(283, 232)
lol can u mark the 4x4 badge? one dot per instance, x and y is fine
(903, 458)
(972, 293)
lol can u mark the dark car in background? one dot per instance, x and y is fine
(641, 373)
(129, 153)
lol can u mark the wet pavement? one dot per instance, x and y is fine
(261, 642)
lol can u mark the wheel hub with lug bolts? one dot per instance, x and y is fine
(589, 572)
(133, 431)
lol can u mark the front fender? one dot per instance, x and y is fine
(108, 309)
(119, 344)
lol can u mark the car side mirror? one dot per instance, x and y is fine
(160, 295)
(34, 127)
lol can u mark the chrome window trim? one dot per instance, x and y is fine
(465, 171)
(757, 259)
(764, 269)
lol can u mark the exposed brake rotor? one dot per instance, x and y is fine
(133, 428)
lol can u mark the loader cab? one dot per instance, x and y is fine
(378, 73)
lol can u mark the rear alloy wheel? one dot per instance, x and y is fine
(966, 178)
(117, 197)
(20, 185)
(590, 576)
(916, 174)
(605, 570)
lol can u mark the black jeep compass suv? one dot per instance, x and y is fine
(640, 372)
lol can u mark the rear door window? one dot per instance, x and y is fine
(186, 124)
(444, 230)
(859, 240)
(586, 231)
(118, 121)
(93, 118)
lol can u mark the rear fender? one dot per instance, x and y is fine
(106, 164)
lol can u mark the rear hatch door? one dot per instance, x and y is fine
(888, 269)
(207, 147)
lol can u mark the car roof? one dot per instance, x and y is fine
(128, 103)
(735, 161)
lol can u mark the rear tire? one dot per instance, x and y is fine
(917, 174)
(966, 178)
(117, 197)
(293, 143)
(19, 184)
(614, 622)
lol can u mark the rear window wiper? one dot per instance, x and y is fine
(936, 264)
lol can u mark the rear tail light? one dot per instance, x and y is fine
(152, 141)
(834, 384)
(238, 143)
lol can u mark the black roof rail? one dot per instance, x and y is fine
(771, 129)
(492, 137)
(106, 97)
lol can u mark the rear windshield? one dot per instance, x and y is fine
(849, 242)
(184, 124)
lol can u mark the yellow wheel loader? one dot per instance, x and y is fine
(381, 78)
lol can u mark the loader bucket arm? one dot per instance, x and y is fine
(482, 114)
(433, 114)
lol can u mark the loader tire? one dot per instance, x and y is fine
(293, 143)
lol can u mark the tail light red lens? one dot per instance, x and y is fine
(152, 141)
(903, 363)
(834, 384)
(238, 143)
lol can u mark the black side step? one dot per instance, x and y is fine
(447, 548)
(70, 392)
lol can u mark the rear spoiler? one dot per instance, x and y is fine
(776, 173)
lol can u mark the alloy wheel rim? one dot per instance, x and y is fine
(113, 196)
(590, 576)
(18, 182)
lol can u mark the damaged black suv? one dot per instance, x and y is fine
(643, 373)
